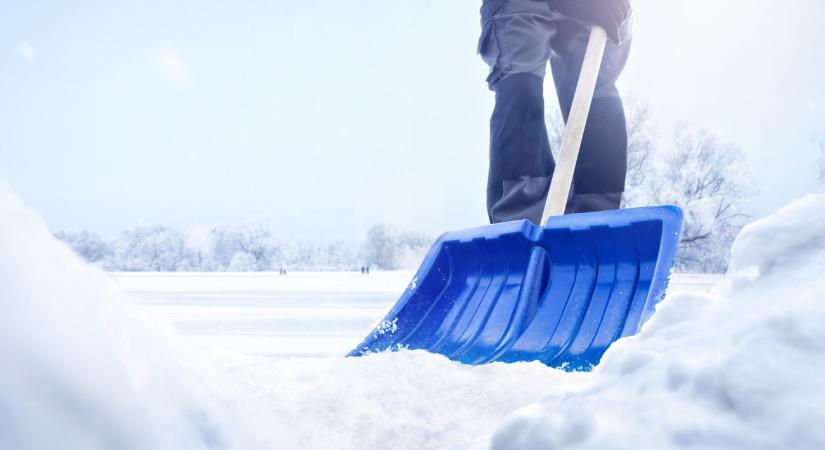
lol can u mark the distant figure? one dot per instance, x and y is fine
(363, 270)
(368, 270)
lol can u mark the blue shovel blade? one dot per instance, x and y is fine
(559, 294)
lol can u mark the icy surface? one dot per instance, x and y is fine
(86, 366)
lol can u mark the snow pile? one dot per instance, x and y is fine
(78, 370)
(741, 367)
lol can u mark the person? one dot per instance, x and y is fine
(518, 38)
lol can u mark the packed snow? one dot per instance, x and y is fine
(86, 365)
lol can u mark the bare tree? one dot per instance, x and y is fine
(709, 180)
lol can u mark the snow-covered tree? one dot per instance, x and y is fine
(87, 245)
(708, 178)
(389, 247)
(242, 262)
(554, 122)
(313, 255)
(820, 162)
(254, 239)
(340, 255)
(152, 248)
(640, 147)
(199, 242)
(244, 247)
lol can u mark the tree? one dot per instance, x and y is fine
(242, 262)
(313, 255)
(554, 122)
(199, 242)
(708, 179)
(255, 239)
(151, 248)
(820, 163)
(640, 146)
(389, 247)
(89, 246)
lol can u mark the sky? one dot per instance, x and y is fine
(326, 117)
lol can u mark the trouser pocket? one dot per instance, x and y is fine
(490, 49)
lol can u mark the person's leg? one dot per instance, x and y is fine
(515, 43)
(599, 179)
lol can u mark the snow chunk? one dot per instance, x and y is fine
(386, 326)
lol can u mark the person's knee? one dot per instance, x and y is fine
(520, 97)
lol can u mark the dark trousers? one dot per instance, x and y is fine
(517, 41)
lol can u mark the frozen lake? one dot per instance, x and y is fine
(299, 314)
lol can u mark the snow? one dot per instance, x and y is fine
(83, 369)
(339, 282)
(85, 365)
(739, 367)
(302, 314)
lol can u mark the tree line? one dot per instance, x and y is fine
(244, 247)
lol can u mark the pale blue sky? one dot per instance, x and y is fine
(330, 116)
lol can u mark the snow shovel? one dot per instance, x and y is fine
(559, 294)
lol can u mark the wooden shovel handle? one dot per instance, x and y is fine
(573, 132)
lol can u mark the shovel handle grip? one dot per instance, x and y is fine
(574, 130)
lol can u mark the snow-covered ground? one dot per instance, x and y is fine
(267, 314)
(300, 314)
(91, 360)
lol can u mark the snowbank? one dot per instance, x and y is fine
(79, 369)
(741, 367)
